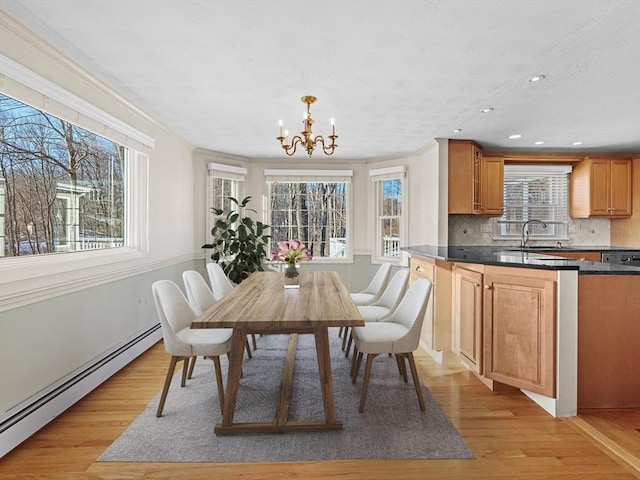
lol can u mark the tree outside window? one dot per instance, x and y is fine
(314, 212)
(62, 187)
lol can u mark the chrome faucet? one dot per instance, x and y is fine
(525, 231)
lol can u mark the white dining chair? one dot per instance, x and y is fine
(384, 306)
(183, 342)
(375, 288)
(221, 285)
(397, 334)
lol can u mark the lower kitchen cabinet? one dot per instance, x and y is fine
(467, 317)
(519, 326)
(436, 330)
(504, 326)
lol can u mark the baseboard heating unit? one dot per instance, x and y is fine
(22, 421)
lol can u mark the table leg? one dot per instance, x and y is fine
(238, 341)
(324, 369)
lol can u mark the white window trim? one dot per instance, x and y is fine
(227, 172)
(336, 176)
(29, 279)
(533, 170)
(398, 172)
(28, 87)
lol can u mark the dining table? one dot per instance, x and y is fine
(261, 304)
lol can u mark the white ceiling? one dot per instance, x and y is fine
(394, 74)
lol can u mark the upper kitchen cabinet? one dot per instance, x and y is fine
(475, 181)
(601, 187)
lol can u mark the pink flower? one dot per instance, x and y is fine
(292, 251)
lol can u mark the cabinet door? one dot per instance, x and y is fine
(424, 269)
(519, 332)
(600, 187)
(467, 317)
(620, 173)
(492, 186)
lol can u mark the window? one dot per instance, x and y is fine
(390, 215)
(224, 181)
(533, 192)
(105, 204)
(314, 207)
(63, 187)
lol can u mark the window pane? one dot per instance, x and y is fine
(390, 228)
(62, 186)
(391, 197)
(313, 212)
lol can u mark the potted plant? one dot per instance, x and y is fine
(239, 244)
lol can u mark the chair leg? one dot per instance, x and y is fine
(248, 349)
(216, 366)
(192, 363)
(167, 383)
(402, 366)
(185, 370)
(340, 332)
(365, 382)
(253, 339)
(416, 381)
(345, 337)
(346, 353)
(355, 366)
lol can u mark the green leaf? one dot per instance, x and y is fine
(233, 217)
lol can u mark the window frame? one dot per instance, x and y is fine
(542, 170)
(311, 176)
(378, 176)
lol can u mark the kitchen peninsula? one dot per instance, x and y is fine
(561, 328)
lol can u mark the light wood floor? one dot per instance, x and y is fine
(511, 437)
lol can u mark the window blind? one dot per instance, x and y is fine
(535, 192)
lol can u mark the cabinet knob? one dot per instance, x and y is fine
(477, 285)
(487, 287)
(419, 268)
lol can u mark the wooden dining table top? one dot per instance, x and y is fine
(261, 302)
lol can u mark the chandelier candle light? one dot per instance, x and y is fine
(292, 252)
(306, 138)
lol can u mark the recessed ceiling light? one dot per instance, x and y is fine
(539, 142)
(577, 143)
(457, 130)
(486, 110)
(515, 136)
(536, 78)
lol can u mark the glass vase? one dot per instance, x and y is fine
(292, 276)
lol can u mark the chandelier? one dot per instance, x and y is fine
(306, 138)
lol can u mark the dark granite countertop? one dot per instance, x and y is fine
(528, 258)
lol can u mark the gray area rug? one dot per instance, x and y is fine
(391, 427)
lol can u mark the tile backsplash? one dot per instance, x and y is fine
(466, 230)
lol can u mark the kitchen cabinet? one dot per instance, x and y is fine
(475, 181)
(467, 317)
(601, 187)
(519, 327)
(436, 330)
(608, 339)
